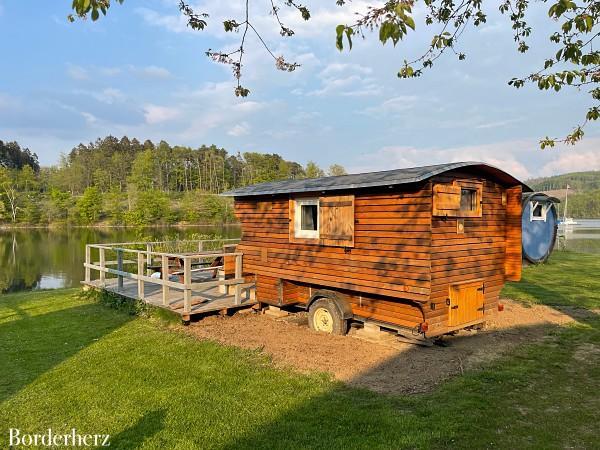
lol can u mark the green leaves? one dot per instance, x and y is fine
(340, 31)
(93, 8)
(231, 25)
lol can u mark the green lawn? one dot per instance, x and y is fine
(68, 362)
(567, 279)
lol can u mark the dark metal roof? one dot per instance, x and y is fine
(371, 179)
(539, 196)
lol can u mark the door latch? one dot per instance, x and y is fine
(455, 307)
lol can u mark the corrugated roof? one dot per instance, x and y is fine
(370, 179)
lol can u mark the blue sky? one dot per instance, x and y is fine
(142, 73)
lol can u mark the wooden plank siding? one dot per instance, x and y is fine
(477, 253)
(404, 260)
(386, 270)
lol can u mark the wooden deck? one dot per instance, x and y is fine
(205, 301)
(187, 283)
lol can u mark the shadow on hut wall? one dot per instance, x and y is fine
(477, 409)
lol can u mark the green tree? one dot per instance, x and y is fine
(191, 206)
(114, 206)
(9, 189)
(32, 212)
(336, 170)
(313, 171)
(3, 211)
(90, 205)
(143, 171)
(216, 209)
(60, 203)
(151, 207)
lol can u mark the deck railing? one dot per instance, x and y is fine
(145, 258)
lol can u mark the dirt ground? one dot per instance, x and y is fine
(383, 365)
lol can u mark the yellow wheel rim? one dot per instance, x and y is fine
(323, 321)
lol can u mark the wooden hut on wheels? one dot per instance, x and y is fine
(423, 251)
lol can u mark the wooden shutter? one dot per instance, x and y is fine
(446, 200)
(513, 259)
(336, 220)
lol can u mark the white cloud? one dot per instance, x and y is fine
(174, 23)
(337, 68)
(499, 123)
(77, 72)
(152, 72)
(108, 95)
(393, 105)
(573, 159)
(110, 71)
(155, 114)
(89, 118)
(522, 158)
(240, 129)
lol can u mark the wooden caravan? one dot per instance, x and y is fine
(424, 251)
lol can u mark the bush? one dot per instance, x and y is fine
(89, 206)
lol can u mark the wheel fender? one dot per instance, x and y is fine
(340, 301)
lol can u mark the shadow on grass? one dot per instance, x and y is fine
(147, 426)
(477, 409)
(34, 344)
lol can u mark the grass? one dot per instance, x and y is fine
(567, 279)
(68, 361)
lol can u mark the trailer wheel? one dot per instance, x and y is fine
(324, 315)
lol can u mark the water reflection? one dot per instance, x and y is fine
(48, 259)
(583, 237)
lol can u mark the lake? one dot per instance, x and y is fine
(583, 237)
(33, 259)
(53, 258)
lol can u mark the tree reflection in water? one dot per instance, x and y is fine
(40, 258)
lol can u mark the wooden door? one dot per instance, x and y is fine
(466, 303)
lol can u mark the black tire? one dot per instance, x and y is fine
(325, 316)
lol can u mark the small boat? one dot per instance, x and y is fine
(567, 221)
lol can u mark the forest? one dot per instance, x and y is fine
(128, 182)
(584, 192)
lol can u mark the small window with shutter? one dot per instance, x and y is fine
(325, 220)
(459, 199)
(337, 220)
(306, 220)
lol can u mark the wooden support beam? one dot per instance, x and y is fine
(187, 280)
(141, 274)
(165, 276)
(102, 255)
(148, 258)
(238, 275)
(120, 269)
(88, 260)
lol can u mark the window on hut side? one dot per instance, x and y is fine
(459, 199)
(307, 218)
(468, 200)
(538, 211)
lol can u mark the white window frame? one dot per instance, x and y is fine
(532, 206)
(298, 231)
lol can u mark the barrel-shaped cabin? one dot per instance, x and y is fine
(539, 226)
(424, 251)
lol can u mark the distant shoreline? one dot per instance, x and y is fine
(105, 226)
